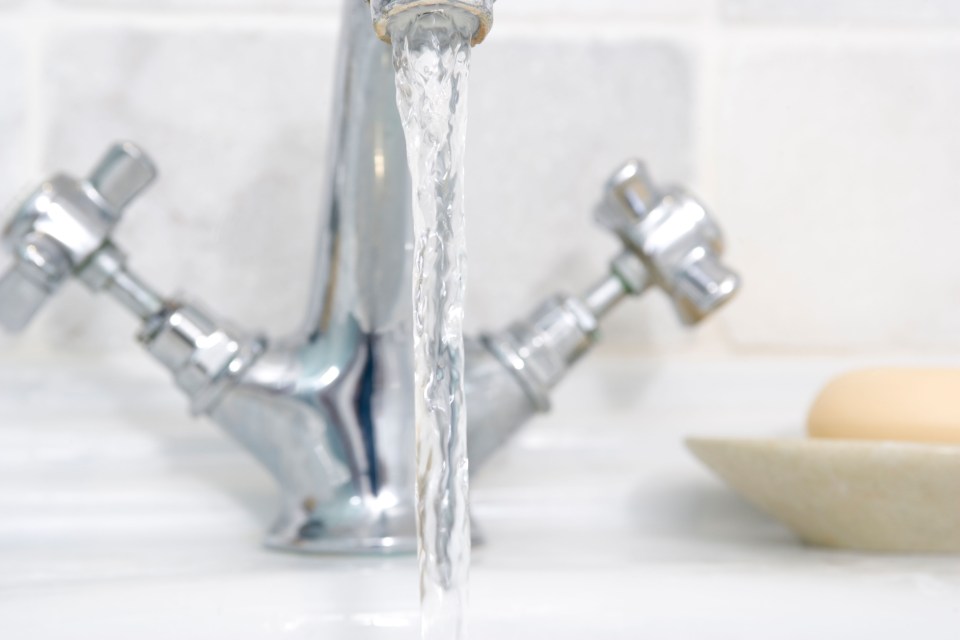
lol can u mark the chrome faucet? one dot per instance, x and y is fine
(329, 410)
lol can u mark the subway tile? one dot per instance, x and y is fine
(236, 122)
(892, 12)
(837, 174)
(13, 114)
(550, 120)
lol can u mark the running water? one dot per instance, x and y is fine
(431, 56)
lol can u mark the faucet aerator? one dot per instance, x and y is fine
(387, 13)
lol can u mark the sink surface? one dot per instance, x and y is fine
(121, 517)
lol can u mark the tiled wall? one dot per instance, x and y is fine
(824, 135)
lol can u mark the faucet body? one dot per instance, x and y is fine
(329, 409)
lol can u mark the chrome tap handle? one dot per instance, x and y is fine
(671, 241)
(122, 174)
(40, 266)
(64, 229)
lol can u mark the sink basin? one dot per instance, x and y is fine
(120, 518)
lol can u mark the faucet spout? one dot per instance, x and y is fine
(329, 410)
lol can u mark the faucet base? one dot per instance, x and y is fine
(394, 534)
(341, 544)
(350, 529)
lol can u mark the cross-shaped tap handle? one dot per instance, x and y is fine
(671, 242)
(64, 227)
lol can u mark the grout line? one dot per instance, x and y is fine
(161, 19)
(592, 31)
(866, 36)
(884, 354)
(171, 23)
(705, 106)
(767, 35)
(585, 26)
(34, 20)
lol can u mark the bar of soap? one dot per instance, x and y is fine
(917, 405)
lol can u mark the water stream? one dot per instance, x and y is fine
(432, 56)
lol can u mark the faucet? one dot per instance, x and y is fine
(329, 410)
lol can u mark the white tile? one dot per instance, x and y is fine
(13, 111)
(236, 121)
(14, 151)
(838, 180)
(893, 12)
(550, 119)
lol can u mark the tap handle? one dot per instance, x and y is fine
(122, 174)
(40, 267)
(20, 299)
(670, 241)
(62, 228)
(38, 270)
(703, 286)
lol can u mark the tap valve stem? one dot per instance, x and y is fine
(627, 277)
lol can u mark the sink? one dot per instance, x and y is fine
(121, 518)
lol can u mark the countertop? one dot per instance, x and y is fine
(121, 517)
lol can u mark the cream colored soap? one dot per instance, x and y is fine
(918, 405)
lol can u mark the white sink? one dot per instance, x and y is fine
(122, 518)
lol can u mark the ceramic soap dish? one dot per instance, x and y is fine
(852, 494)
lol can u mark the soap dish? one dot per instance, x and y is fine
(866, 495)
